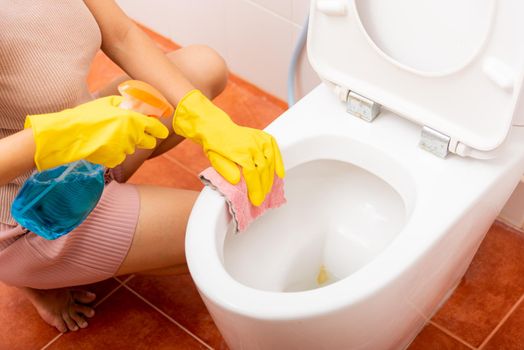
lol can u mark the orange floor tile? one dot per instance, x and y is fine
(150, 312)
(485, 311)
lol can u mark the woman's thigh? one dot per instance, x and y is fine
(158, 242)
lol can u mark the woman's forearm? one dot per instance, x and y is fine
(130, 48)
(17, 154)
(143, 60)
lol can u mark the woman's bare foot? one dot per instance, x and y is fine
(62, 308)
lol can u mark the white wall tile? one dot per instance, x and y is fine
(259, 46)
(199, 22)
(280, 7)
(300, 9)
(184, 21)
(256, 37)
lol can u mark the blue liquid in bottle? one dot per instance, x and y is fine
(54, 202)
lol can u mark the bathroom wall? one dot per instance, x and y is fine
(256, 37)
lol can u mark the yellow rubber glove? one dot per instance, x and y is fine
(97, 131)
(228, 145)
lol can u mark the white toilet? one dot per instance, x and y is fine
(377, 231)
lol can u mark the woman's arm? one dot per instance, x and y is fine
(17, 154)
(255, 151)
(109, 133)
(130, 48)
(133, 51)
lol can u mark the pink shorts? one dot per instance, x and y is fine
(92, 252)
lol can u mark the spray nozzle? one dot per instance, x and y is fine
(143, 98)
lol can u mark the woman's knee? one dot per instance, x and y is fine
(203, 66)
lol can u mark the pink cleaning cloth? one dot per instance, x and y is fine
(240, 208)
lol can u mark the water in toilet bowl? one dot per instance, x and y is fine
(338, 218)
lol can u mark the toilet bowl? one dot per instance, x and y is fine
(377, 231)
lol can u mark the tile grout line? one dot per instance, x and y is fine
(452, 335)
(52, 341)
(499, 325)
(126, 280)
(284, 18)
(107, 295)
(168, 317)
(508, 226)
(94, 306)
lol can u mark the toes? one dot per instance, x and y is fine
(83, 296)
(84, 310)
(71, 325)
(77, 313)
(60, 326)
(79, 319)
(53, 319)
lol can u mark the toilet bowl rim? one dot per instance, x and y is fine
(206, 266)
(218, 287)
(203, 247)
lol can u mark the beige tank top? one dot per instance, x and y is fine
(46, 48)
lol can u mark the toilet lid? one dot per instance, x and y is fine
(454, 66)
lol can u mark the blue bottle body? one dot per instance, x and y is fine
(54, 202)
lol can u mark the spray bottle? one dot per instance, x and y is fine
(54, 202)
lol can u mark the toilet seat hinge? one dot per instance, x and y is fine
(434, 141)
(362, 107)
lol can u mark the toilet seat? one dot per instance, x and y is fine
(473, 100)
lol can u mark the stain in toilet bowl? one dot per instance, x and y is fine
(323, 275)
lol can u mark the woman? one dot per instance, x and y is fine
(46, 48)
